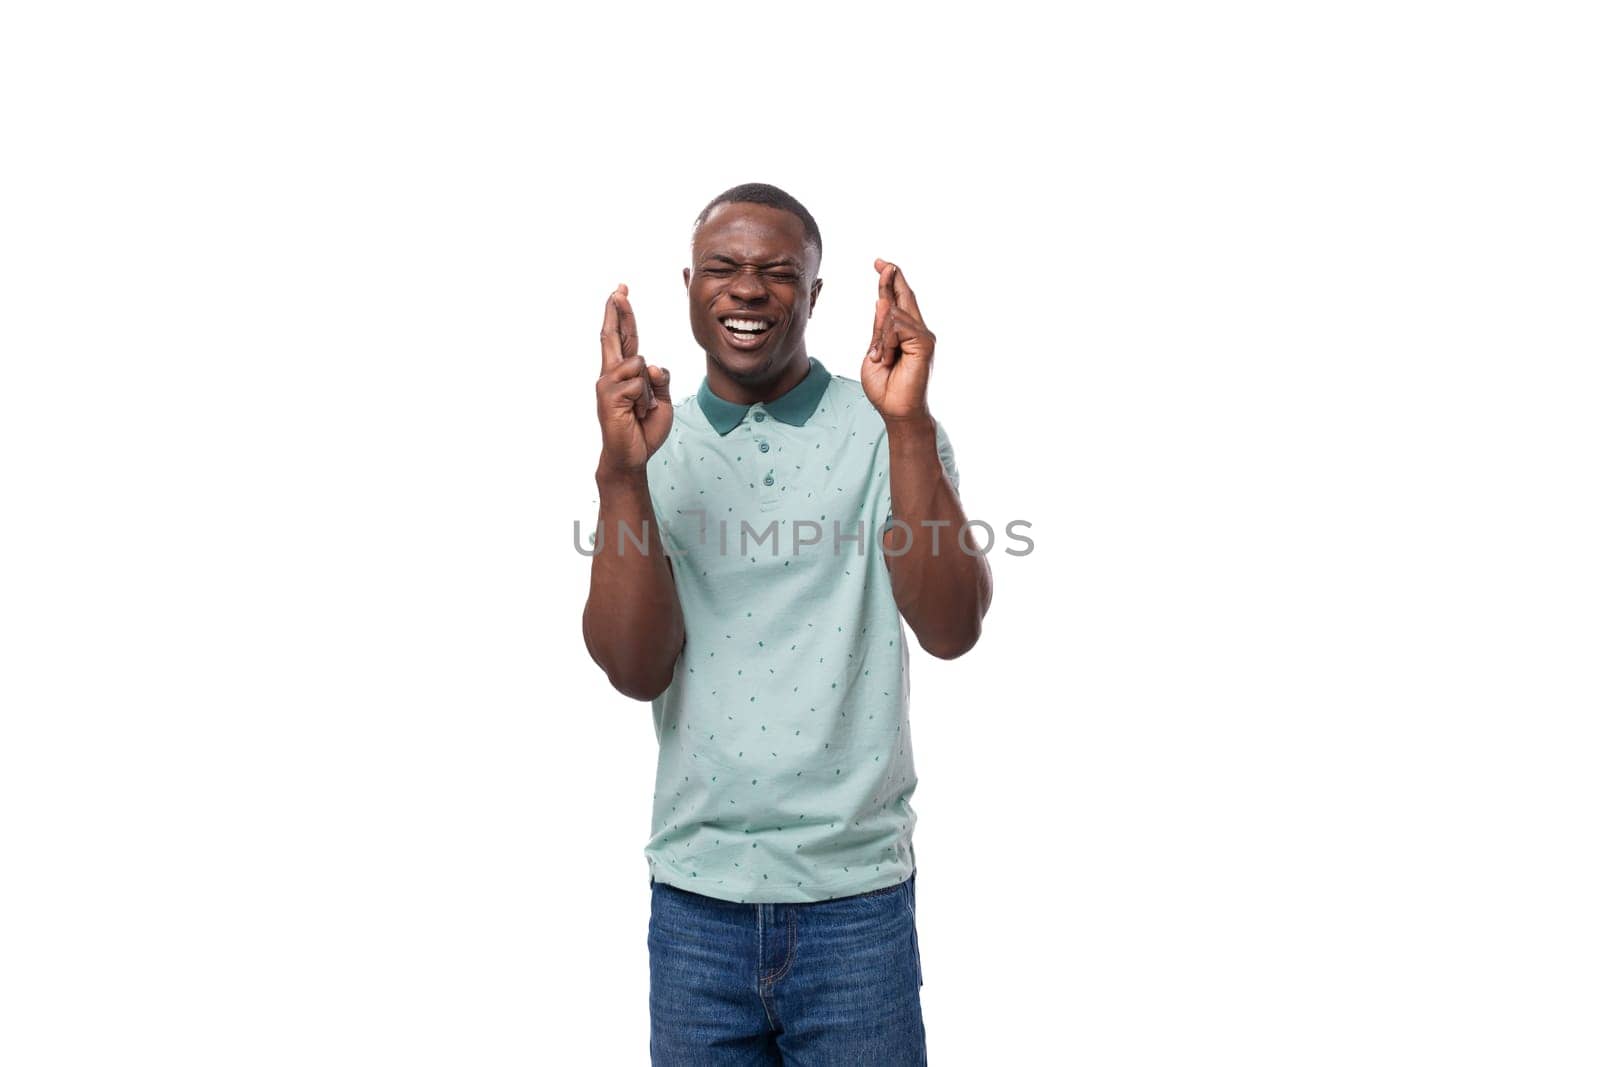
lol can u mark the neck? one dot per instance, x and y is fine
(746, 392)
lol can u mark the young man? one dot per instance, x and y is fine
(759, 543)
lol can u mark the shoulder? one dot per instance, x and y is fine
(683, 437)
(687, 421)
(846, 387)
(845, 404)
(850, 401)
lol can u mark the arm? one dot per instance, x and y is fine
(632, 622)
(942, 591)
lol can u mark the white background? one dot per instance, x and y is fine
(1278, 322)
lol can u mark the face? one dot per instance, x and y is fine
(751, 289)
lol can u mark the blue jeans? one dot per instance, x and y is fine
(812, 984)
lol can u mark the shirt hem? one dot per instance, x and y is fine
(813, 894)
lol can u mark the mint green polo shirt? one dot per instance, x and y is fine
(785, 771)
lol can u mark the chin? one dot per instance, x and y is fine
(744, 369)
(747, 366)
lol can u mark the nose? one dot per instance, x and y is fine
(748, 287)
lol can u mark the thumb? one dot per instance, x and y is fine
(873, 374)
(661, 384)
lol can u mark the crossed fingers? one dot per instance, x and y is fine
(897, 315)
(619, 346)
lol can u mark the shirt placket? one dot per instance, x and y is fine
(769, 488)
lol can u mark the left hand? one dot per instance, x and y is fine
(894, 373)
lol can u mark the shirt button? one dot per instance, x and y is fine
(767, 480)
(761, 416)
(764, 447)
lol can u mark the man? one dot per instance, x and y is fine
(801, 516)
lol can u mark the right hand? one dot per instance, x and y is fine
(634, 404)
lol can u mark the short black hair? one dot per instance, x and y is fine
(771, 196)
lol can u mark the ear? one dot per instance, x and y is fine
(816, 291)
(686, 277)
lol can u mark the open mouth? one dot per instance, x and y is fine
(746, 331)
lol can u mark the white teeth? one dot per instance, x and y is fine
(747, 325)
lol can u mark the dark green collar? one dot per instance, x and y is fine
(793, 407)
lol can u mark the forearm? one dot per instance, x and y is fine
(942, 590)
(632, 623)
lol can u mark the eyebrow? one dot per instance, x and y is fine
(786, 261)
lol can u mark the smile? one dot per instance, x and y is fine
(745, 332)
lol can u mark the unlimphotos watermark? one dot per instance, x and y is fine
(808, 535)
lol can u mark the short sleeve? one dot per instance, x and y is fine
(656, 472)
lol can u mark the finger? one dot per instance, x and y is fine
(610, 338)
(908, 327)
(657, 395)
(627, 327)
(904, 298)
(886, 273)
(621, 395)
(659, 423)
(631, 394)
(889, 341)
(661, 384)
(627, 367)
(879, 312)
(648, 400)
(632, 373)
(637, 389)
(891, 336)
